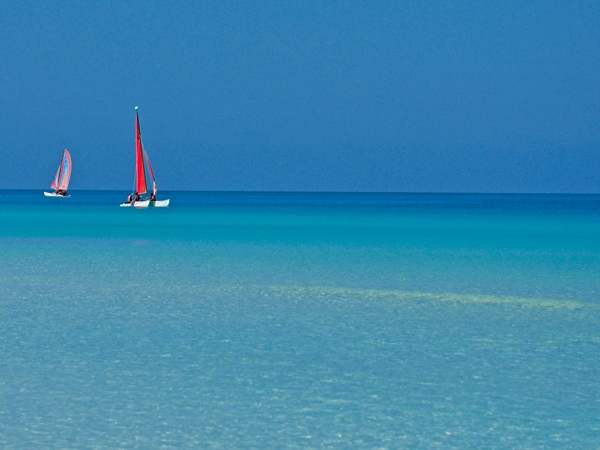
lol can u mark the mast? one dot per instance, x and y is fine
(140, 167)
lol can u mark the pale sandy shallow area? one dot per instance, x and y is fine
(181, 361)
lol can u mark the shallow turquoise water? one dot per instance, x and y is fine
(253, 320)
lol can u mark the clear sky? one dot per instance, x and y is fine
(408, 96)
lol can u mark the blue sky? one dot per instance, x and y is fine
(408, 96)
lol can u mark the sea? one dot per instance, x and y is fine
(234, 320)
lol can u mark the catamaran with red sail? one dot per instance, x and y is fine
(140, 198)
(62, 177)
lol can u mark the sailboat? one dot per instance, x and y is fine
(62, 177)
(140, 198)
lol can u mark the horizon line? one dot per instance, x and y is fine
(321, 192)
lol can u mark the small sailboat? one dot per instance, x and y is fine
(140, 198)
(62, 177)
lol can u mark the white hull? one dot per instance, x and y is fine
(140, 204)
(160, 203)
(147, 203)
(54, 194)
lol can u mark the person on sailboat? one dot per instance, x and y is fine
(130, 198)
(153, 197)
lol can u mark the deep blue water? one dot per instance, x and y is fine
(300, 320)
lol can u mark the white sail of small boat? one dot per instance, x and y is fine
(140, 197)
(62, 177)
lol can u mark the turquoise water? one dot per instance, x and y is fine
(256, 320)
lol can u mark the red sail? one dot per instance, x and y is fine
(154, 187)
(140, 171)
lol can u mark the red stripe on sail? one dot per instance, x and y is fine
(139, 160)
